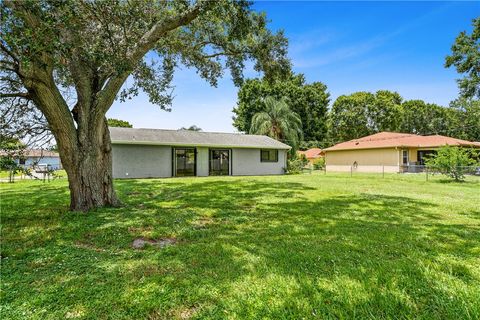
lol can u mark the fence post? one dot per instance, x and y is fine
(383, 172)
(351, 171)
(426, 171)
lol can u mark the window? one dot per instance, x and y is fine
(422, 155)
(405, 156)
(269, 155)
(184, 162)
(21, 161)
(219, 162)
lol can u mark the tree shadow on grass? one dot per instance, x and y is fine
(262, 250)
(382, 246)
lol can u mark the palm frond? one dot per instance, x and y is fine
(278, 121)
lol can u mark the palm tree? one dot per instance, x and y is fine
(279, 122)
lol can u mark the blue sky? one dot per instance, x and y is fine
(349, 46)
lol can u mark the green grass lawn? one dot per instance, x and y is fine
(4, 174)
(283, 247)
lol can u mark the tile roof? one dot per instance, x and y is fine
(312, 153)
(393, 139)
(192, 138)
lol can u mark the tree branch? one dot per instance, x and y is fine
(149, 39)
(7, 62)
(146, 43)
(15, 95)
(8, 51)
(219, 54)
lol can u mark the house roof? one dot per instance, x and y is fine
(312, 153)
(41, 153)
(192, 138)
(393, 139)
(35, 153)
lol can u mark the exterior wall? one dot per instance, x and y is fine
(146, 161)
(368, 160)
(364, 168)
(412, 155)
(202, 162)
(247, 162)
(141, 161)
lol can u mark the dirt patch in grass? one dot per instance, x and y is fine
(140, 243)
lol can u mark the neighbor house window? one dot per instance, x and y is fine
(405, 156)
(21, 161)
(269, 155)
(423, 155)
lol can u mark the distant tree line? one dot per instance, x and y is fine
(191, 128)
(309, 101)
(355, 115)
(119, 123)
(364, 113)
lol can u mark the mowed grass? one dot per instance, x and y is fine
(281, 247)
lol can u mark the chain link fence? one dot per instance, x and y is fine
(383, 170)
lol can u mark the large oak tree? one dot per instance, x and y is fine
(50, 49)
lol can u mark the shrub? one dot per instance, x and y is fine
(303, 159)
(452, 161)
(319, 164)
(294, 166)
(10, 148)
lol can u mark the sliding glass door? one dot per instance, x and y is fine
(219, 162)
(184, 162)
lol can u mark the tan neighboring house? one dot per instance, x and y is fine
(312, 154)
(387, 151)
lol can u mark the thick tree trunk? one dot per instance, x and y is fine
(90, 173)
(85, 149)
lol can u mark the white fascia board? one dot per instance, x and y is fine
(159, 143)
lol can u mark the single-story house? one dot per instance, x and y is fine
(38, 157)
(155, 153)
(312, 154)
(388, 151)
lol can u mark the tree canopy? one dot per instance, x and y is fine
(453, 162)
(71, 59)
(119, 123)
(349, 116)
(10, 150)
(278, 121)
(467, 112)
(364, 113)
(423, 118)
(465, 58)
(191, 128)
(308, 101)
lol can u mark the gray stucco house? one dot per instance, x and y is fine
(155, 153)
